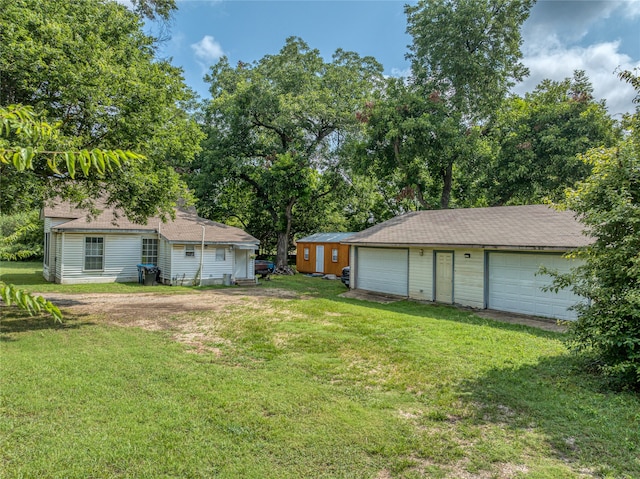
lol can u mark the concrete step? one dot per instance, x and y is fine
(246, 282)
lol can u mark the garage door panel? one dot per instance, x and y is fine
(515, 286)
(383, 270)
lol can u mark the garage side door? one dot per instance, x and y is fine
(515, 287)
(383, 270)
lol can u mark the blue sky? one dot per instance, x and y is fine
(559, 37)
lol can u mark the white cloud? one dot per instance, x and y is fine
(599, 61)
(207, 50)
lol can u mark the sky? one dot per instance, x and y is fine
(560, 36)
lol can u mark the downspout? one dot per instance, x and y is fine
(201, 257)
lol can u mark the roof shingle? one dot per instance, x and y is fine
(529, 226)
(186, 227)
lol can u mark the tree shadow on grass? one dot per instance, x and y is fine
(584, 422)
(13, 320)
(448, 313)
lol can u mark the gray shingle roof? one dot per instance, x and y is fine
(187, 226)
(529, 226)
(325, 238)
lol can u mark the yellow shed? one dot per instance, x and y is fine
(322, 253)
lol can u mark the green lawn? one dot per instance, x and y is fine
(309, 387)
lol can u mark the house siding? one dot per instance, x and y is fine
(121, 255)
(184, 268)
(421, 274)
(468, 278)
(164, 260)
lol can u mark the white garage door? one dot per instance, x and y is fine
(514, 285)
(383, 270)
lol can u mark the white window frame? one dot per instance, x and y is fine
(334, 255)
(305, 253)
(99, 240)
(190, 250)
(221, 254)
(145, 245)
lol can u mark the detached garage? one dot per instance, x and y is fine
(477, 257)
(383, 270)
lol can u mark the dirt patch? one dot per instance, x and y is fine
(172, 312)
(514, 318)
(371, 296)
(144, 307)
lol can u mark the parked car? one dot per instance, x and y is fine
(346, 273)
(264, 267)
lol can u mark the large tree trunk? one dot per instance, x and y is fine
(283, 250)
(447, 179)
(282, 257)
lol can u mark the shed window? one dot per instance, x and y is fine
(93, 254)
(334, 255)
(149, 251)
(306, 254)
(189, 250)
(220, 254)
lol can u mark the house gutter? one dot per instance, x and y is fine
(475, 246)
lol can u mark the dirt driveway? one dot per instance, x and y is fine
(145, 306)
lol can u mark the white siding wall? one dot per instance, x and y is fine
(121, 255)
(421, 274)
(58, 257)
(468, 278)
(164, 260)
(184, 268)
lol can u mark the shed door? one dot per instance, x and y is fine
(383, 270)
(514, 286)
(444, 277)
(319, 258)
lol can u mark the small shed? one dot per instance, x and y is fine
(322, 253)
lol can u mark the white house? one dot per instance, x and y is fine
(476, 257)
(108, 248)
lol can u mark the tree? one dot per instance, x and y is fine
(413, 140)
(608, 204)
(275, 126)
(468, 50)
(539, 137)
(89, 69)
(466, 54)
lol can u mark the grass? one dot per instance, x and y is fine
(313, 387)
(28, 275)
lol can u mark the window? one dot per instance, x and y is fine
(149, 251)
(93, 254)
(306, 254)
(47, 237)
(220, 254)
(189, 250)
(334, 255)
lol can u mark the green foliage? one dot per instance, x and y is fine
(468, 50)
(28, 302)
(414, 143)
(274, 129)
(608, 204)
(20, 126)
(88, 70)
(21, 236)
(538, 138)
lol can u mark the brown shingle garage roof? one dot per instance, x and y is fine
(187, 226)
(521, 227)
